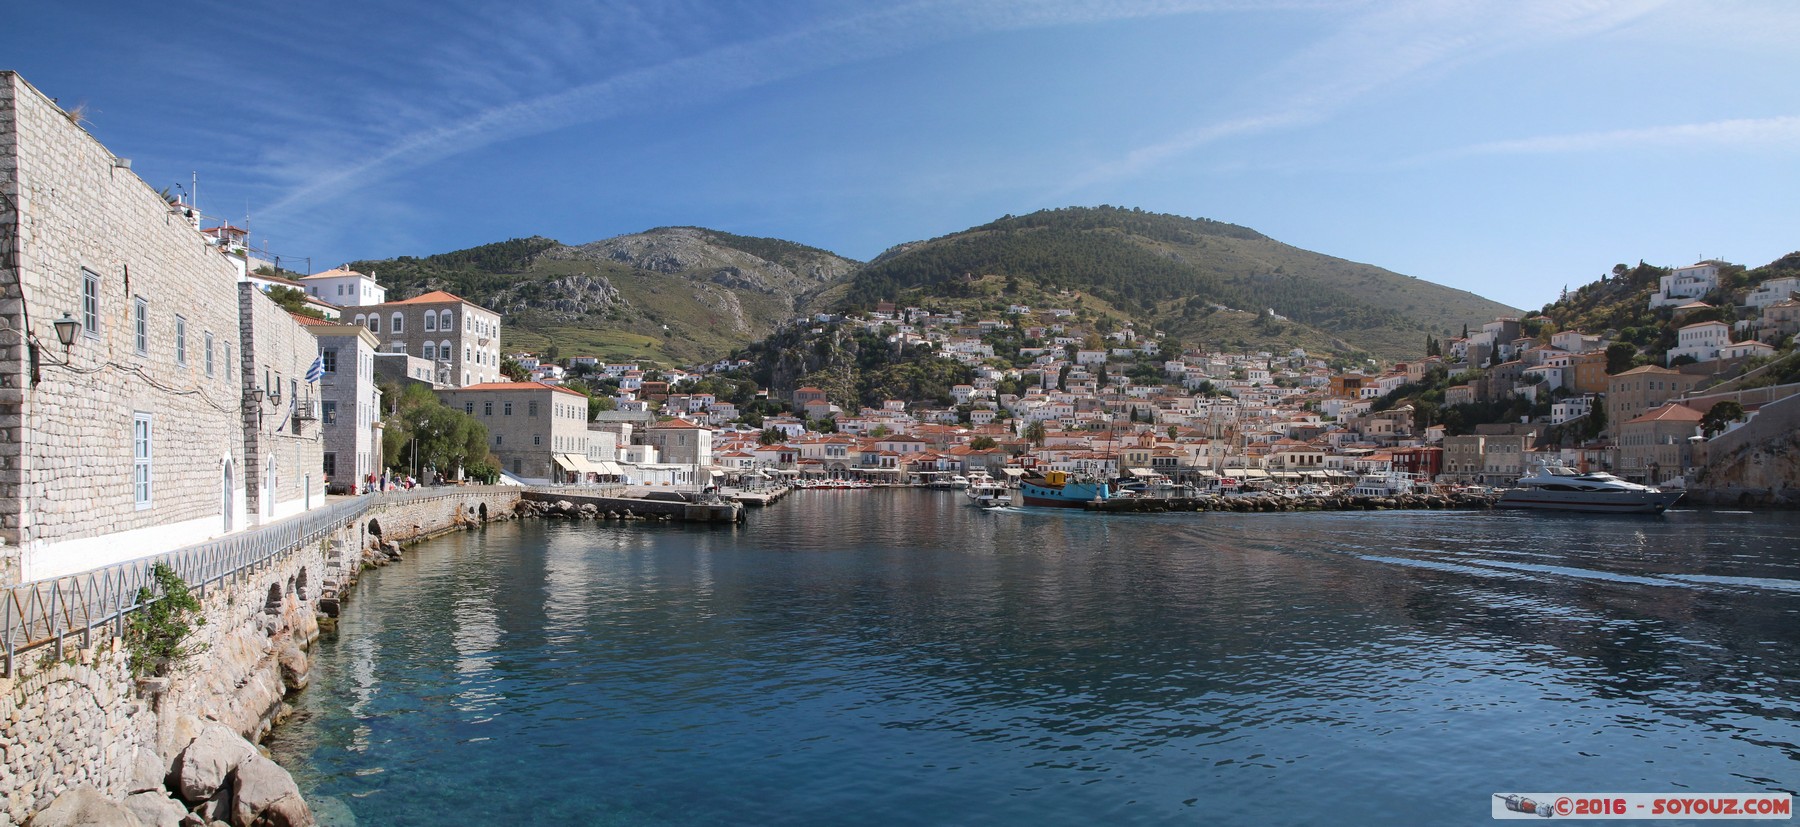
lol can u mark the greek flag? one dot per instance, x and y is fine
(317, 371)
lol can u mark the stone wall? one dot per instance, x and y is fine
(283, 447)
(1757, 464)
(67, 499)
(85, 720)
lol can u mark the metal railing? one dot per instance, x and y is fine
(48, 612)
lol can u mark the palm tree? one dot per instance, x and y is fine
(1034, 433)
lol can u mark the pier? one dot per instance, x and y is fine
(1274, 503)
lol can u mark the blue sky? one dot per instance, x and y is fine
(1508, 147)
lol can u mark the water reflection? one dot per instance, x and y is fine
(910, 659)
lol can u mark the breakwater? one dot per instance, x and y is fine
(1275, 503)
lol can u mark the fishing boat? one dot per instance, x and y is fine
(1060, 489)
(1556, 487)
(987, 492)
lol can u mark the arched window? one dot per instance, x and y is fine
(430, 321)
(360, 319)
(399, 325)
(446, 351)
(446, 320)
(430, 348)
(374, 324)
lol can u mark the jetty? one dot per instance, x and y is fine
(1280, 503)
(652, 505)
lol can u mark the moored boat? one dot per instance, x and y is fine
(1561, 488)
(1060, 489)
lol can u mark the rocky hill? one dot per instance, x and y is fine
(672, 295)
(1202, 281)
(679, 295)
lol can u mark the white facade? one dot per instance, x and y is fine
(1772, 291)
(1701, 341)
(345, 288)
(1685, 284)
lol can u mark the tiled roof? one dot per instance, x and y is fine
(518, 386)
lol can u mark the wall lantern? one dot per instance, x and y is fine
(66, 328)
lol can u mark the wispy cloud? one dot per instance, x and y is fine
(1379, 47)
(1781, 132)
(336, 162)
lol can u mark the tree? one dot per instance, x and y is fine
(1034, 433)
(771, 436)
(1721, 414)
(422, 432)
(513, 370)
(1620, 357)
(293, 300)
(880, 431)
(983, 443)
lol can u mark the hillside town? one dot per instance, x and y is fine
(237, 393)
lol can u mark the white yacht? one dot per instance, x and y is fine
(1561, 488)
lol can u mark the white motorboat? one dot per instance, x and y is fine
(1561, 488)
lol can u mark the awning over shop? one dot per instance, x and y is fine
(566, 462)
(1140, 472)
(1257, 473)
(608, 469)
(1013, 472)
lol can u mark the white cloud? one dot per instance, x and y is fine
(540, 52)
(1380, 48)
(1781, 132)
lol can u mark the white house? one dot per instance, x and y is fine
(344, 287)
(1685, 283)
(1700, 340)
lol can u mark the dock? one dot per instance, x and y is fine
(1274, 503)
(756, 497)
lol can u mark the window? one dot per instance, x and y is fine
(228, 361)
(328, 413)
(430, 348)
(140, 323)
(536, 439)
(531, 409)
(140, 460)
(374, 324)
(181, 341)
(445, 351)
(446, 321)
(487, 409)
(497, 440)
(395, 347)
(468, 407)
(209, 353)
(507, 408)
(90, 304)
(329, 464)
(399, 325)
(430, 322)
(329, 359)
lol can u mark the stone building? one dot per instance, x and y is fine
(283, 443)
(130, 440)
(538, 432)
(680, 442)
(1656, 446)
(1636, 391)
(349, 404)
(462, 338)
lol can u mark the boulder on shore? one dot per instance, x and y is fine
(84, 806)
(265, 795)
(203, 767)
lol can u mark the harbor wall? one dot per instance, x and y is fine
(81, 718)
(1755, 465)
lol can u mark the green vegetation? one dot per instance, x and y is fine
(423, 433)
(1175, 273)
(157, 634)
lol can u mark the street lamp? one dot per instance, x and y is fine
(423, 423)
(66, 328)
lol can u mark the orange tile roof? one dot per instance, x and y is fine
(517, 386)
(438, 297)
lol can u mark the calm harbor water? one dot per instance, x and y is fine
(898, 657)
